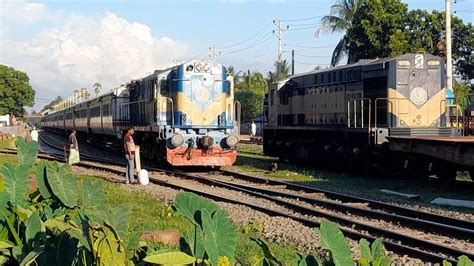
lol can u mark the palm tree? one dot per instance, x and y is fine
(237, 77)
(285, 69)
(97, 88)
(339, 20)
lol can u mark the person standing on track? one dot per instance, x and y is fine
(34, 134)
(129, 147)
(73, 148)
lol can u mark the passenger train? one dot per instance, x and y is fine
(346, 116)
(185, 115)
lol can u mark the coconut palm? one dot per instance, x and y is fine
(97, 88)
(285, 69)
(339, 20)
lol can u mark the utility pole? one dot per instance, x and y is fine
(449, 60)
(292, 62)
(214, 53)
(279, 35)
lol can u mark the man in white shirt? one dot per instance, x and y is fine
(34, 134)
(253, 129)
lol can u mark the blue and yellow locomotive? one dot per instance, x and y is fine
(185, 115)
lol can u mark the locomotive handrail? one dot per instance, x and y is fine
(361, 100)
(391, 109)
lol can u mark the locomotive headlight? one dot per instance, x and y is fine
(231, 140)
(177, 140)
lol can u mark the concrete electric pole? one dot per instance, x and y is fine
(449, 63)
(279, 35)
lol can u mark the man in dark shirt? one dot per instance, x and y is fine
(73, 148)
(129, 147)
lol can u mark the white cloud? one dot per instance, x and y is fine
(26, 13)
(85, 50)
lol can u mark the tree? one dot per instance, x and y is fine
(377, 30)
(97, 88)
(285, 70)
(339, 20)
(57, 100)
(462, 90)
(84, 94)
(15, 91)
(250, 92)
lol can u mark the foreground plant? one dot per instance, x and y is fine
(63, 221)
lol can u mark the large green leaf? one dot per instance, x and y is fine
(34, 228)
(63, 186)
(109, 251)
(171, 258)
(333, 239)
(195, 240)
(268, 257)
(464, 261)
(118, 217)
(6, 244)
(92, 193)
(41, 173)
(27, 152)
(219, 235)
(188, 204)
(365, 253)
(15, 178)
(378, 250)
(30, 258)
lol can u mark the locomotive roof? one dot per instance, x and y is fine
(363, 62)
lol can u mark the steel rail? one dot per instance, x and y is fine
(372, 203)
(393, 245)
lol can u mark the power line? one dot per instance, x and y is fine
(309, 47)
(248, 39)
(304, 28)
(248, 47)
(302, 19)
(304, 55)
(270, 56)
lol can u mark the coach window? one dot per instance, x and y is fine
(322, 78)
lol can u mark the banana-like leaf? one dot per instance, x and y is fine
(34, 228)
(92, 193)
(308, 260)
(171, 258)
(63, 186)
(41, 173)
(333, 239)
(219, 235)
(464, 261)
(189, 204)
(15, 178)
(27, 152)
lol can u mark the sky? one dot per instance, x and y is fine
(70, 44)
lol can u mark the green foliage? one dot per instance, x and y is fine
(383, 28)
(170, 258)
(462, 261)
(333, 239)
(250, 91)
(214, 235)
(268, 257)
(461, 93)
(15, 91)
(56, 225)
(56, 100)
(374, 255)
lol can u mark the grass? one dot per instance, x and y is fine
(358, 185)
(7, 144)
(7, 159)
(150, 214)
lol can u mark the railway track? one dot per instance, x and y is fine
(285, 194)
